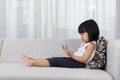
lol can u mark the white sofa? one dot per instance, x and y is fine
(13, 68)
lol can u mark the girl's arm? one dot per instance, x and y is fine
(89, 50)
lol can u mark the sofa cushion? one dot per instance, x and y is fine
(17, 71)
(99, 60)
(36, 48)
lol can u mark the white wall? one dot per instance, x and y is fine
(118, 19)
(2, 18)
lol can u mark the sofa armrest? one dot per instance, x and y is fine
(1, 44)
(113, 58)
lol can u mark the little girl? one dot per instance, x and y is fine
(89, 33)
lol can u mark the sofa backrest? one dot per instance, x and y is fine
(39, 48)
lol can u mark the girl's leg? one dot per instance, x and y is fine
(30, 62)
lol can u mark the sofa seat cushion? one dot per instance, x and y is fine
(18, 71)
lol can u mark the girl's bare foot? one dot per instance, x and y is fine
(28, 61)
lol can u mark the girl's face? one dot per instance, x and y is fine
(85, 37)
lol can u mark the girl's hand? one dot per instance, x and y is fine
(66, 50)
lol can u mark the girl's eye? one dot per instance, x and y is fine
(82, 33)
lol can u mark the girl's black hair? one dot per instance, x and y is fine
(91, 27)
